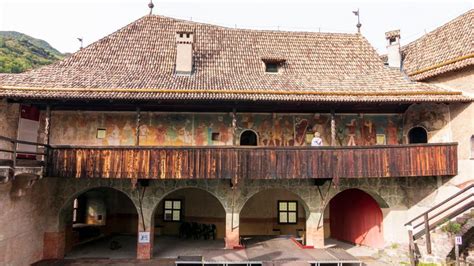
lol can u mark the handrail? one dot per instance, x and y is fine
(24, 142)
(447, 208)
(426, 219)
(441, 203)
(14, 151)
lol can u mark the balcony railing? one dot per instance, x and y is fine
(237, 162)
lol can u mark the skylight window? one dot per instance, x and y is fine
(273, 65)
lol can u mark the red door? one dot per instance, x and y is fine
(356, 217)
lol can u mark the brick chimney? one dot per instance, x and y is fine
(184, 52)
(393, 49)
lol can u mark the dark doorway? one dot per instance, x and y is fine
(417, 135)
(248, 138)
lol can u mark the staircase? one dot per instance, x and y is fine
(427, 228)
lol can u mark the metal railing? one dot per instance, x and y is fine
(447, 209)
(13, 159)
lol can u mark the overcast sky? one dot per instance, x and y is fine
(60, 22)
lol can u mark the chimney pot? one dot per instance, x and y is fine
(184, 52)
(393, 49)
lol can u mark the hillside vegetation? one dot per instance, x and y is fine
(20, 52)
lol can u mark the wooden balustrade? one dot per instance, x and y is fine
(237, 162)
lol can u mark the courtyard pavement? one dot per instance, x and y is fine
(271, 251)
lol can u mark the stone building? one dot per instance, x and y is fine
(445, 57)
(168, 123)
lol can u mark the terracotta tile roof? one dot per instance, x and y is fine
(447, 48)
(137, 62)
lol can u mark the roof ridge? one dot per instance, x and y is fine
(250, 30)
(442, 26)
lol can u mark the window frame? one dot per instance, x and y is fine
(471, 144)
(287, 212)
(75, 211)
(172, 210)
(272, 67)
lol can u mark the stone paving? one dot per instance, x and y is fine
(271, 251)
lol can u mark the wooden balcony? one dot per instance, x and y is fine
(253, 162)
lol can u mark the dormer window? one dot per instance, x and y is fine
(273, 65)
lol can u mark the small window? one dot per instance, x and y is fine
(215, 136)
(417, 135)
(472, 147)
(271, 67)
(101, 133)
(172, 211)
(287, 212)
(248, 138)
(75, 211)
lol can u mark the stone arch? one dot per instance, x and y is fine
(383, 204)
(65, 213)
(305, 189)
(222, 201)
(306, 207)
(66, 202)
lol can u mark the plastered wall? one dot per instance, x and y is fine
(462, 79)
(23, 222)
(433, 117)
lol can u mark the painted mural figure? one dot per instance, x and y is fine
(392, 136)
(225, 133)
(288, 135)
(266, 133)
(351, 127)
(160, 134)
(300, 131)
(277, 133)
(201, 134)
(114, 137)
(127, 134)
(369, 133)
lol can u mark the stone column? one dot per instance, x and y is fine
(232, 235)
(145, 228)
(315, 229)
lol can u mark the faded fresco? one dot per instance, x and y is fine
(173, 129)
(365, 130)
(203, 129)
(306, 125)
(431, 116)
(272, 130)
(82, 128)
(166, 129)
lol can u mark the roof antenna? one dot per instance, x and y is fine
(151, 6)
(358, 20)
(80, 40)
